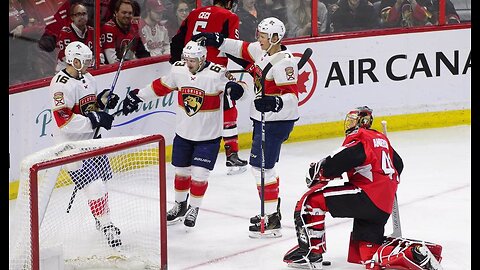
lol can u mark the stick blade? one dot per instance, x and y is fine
(305, 56)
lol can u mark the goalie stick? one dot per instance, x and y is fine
(397, 229)
(112, 87)
(305, 56)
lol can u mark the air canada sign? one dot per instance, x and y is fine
(396, 68)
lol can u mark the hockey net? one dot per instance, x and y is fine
(53, 228)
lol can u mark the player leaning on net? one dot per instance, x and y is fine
(201, 86)
(373, 169)
(219, 17)
(77, 108)
(279, 104)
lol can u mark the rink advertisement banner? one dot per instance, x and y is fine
(394, 75)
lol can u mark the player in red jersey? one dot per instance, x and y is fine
(373, 168)
(119, 31)
(215, 18)
(78, 30)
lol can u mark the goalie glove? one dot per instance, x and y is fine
(102, 99)
(314, 173)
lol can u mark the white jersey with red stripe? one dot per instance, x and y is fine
(199, 114)
(281, 79)
(71, 99)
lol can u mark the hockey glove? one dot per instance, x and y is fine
(268, 104)
(102, 99)
(234, 90)
(100, 119)
(130, 103)
(209, 39)
(314, 174)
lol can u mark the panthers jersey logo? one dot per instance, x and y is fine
(192, 100)
(87, 104)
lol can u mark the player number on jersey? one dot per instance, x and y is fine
(62, 79)
(387, 165)
(198, 26)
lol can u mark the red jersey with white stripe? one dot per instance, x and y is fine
(114, 37)
(71, 99)
(68, 35)
(199, 114)
(376, 176)
(281, 79)
(210, 19)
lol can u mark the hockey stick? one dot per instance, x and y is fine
(303, 60)
(397, 229)
(305, 56)
(112, 87)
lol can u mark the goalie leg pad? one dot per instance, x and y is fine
(402, 253)
(309, 218)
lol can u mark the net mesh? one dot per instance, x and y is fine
(114, 220)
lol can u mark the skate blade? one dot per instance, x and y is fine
(268, 234)
(175, 221)
(305, 265)
(236, 170)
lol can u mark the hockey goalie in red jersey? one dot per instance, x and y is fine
(373, 169)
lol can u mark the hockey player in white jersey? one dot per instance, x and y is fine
(279, 103)
(77, 108)
(201, 87)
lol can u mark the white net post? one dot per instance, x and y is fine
(120, 184)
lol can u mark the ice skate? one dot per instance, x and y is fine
(191, 216)
(303, 259)
(112, 234)
(235, 165)
(177, 213)
(272, 225)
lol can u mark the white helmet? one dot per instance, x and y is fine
(271, 26)
(79, 51)
(194, 50)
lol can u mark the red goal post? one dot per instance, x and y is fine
(44, 235)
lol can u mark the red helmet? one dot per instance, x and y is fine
(360, 117)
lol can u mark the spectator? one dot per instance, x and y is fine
(354, 15)
(250, 15)
(408, 13)
(181, 9)
(44, 19)
(332, 6)
(153, 32)
(300, 18)
(17, 45)
(118, 32)
(78, 30)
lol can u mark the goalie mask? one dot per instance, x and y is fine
(80, 51)
(193, 50)
(360, 117)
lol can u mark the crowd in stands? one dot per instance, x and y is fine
(40, 30)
